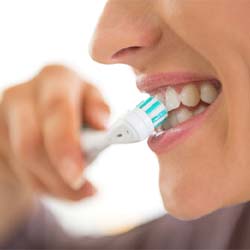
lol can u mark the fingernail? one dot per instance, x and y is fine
(69, 171)
(78, 183)
(103, 118)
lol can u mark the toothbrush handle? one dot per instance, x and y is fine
(135, 126)
(93, 143)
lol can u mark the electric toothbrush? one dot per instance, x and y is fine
(135, 126)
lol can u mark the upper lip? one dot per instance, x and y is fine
(150, 83)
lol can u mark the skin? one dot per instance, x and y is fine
(40, 150)
(209, 37)
(176, 36)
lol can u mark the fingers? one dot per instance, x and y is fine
(96, 111)
(60, 102)
(22, 123)
(47, 181)
(23, 140)
(58, 105)
(61, 142)
(28, 156)
(43, 120)
(87, 190)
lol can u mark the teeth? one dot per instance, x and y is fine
(158, 130)
(167, 124)
(183, 114)
(173, 119)
(208, 92)
(172, 99)
(199, 110)
(190, 95)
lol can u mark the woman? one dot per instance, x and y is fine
(192, 52)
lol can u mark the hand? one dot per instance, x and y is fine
(40, 123)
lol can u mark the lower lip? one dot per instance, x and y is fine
(169, 139)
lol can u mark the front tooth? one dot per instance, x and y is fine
(208, 92)
(190, 95)
(183, 114)
(199, 110)
(172, 99)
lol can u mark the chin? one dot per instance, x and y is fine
(182, 210)
(188, 202)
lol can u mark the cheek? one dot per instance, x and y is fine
(212, 170)
(227, 27)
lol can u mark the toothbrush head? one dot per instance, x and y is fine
(155, 110)
(139, 123)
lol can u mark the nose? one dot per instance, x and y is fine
(125, 30)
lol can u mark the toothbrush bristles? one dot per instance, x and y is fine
(155, 109)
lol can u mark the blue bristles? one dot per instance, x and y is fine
(155, 110)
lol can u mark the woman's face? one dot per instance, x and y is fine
(196, 53)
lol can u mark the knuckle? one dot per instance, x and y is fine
(10, 94)
(59, 71)
(15, 94)
(54, 68)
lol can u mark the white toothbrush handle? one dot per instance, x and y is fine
(93, 143)
(135, 126)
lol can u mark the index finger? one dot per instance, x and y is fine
(60, 118)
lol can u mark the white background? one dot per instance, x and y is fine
(34, 33)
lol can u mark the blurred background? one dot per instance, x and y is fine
(35, 33)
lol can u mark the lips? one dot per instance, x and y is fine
(164, 140)
(150, 83)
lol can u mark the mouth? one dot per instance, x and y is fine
(189, 99)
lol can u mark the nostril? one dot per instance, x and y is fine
(126, 51)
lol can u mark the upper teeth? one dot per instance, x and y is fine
(190, 95)
(208, 92)
(172, 99)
